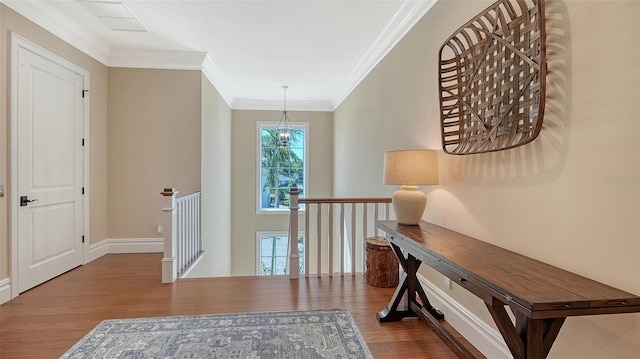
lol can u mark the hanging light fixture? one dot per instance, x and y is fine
(284, 126)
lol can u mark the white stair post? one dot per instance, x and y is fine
(294, 256)
(169, 265)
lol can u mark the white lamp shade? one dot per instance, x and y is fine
(416, 167)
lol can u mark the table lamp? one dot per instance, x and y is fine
(410, 169)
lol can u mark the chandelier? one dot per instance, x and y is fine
(284, 126)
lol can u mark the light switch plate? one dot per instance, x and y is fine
(1, 190)
(447, 282)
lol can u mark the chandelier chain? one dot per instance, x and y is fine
(284, 134)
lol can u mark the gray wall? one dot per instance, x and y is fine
(154, 142)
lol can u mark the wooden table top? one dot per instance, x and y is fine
(540, 289)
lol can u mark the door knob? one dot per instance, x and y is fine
(24, 200)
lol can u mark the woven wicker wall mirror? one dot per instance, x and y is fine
(492, 79)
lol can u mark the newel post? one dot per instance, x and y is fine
(294, 256)
(169, 264)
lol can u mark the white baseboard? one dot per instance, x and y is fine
(125, 245)
(5, 290)
(185, 273)
(97, 250)
(480, 334)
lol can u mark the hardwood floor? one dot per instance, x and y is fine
(47, 320)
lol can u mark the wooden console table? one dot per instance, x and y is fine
(540, 296)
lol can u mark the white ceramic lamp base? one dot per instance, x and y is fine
(409, 204)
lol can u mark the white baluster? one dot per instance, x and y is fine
(307, 240)
(364, 235)
(330, 239)
(342, 239)
(353, 239)
(294, 256)
(319, 240)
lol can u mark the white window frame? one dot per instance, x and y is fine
(273, 124)
(261, 234)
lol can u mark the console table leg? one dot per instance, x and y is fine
(527, 338)
(511, 336)
(410, 286)
(390, 313)
(541, 333)
(415, 287)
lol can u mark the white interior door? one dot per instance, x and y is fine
(49, 103)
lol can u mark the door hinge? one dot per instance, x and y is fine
(82, 190)
(82, 239)
(83, 92)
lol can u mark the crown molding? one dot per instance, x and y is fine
(407, 16)
(171, 60)
(154, 59)
(50, 18)
(193, 60)
(61, 25)
(292, 105)
(214, 76)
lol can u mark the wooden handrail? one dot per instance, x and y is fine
(345, 200)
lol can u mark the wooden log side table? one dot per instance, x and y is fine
(382, 267)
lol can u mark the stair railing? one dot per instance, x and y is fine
(182, 236)
(334, 236)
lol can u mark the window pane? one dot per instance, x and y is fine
(274, 252)
(282, 246)
(281, 265)
(280, 168)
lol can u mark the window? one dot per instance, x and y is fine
(280, 168)
(273, 252)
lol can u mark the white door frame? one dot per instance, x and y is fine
(19, 42)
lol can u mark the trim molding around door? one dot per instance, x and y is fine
(17, 42)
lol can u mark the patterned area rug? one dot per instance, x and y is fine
(298, 334)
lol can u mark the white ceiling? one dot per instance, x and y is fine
(321, 49)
